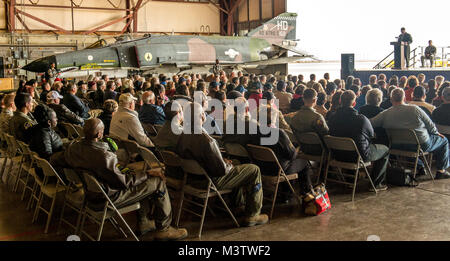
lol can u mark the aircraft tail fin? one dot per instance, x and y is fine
(282, 27)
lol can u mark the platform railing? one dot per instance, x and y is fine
(442, 58)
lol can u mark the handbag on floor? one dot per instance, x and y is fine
(317, 201)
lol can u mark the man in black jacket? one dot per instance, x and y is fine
(45, 140)
(441, 115)
(74, 103)
(346, 122)
(405, 39)
(245, 179)
(62, 112)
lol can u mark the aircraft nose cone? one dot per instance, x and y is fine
(40, 65)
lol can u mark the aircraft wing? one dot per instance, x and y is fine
(281, 60)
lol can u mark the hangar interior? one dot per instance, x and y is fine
(31, 29)
(34, 29)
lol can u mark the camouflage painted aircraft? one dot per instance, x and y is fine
(265, 45)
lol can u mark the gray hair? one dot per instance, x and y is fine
(374, 97)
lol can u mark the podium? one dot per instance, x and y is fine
(399, 55)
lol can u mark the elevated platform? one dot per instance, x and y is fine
(430, 73)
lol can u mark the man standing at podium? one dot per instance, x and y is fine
(405, 39)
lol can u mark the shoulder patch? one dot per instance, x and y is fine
(28, 124)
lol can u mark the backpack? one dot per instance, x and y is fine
(399, 176)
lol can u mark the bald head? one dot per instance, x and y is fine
(93, 129)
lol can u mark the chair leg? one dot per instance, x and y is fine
(25, 186)
(370, 179)
(61, 216)
(180, 204)
(292, 188)
(102, 223)
(274, 197)
(50, 215)
(38, 206)
(425, 161)
(19, 173)
(3, 169)
(416, 162)
(354, 184)
(33, 196)
(226, 206)
(319, 171)
(205, 205)
(326, 170)
(8, 174)
(126, 224)
(116, 225)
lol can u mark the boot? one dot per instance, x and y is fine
(256, 220)
(145, 226)
(171, 233)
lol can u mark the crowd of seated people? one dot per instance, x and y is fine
(193, 111)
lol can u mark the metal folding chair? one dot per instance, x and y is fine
(210, 190)
(311, 139)
(128, 149)
(172, 160)
(150, 129)
(4, 153)
(79, 130)
(263, 154)
(72, 133)
(47, 189)
(74, 198)
(407, 136)
(108, 211)
(236, 151)
(336, 144)
(28, 168)
(16, 156)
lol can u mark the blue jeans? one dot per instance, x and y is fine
(436, 145)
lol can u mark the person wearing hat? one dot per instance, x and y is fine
(214, 87)
(82, 90)
(441, 115)
(255, 94)
(125, 122)
(62, 112)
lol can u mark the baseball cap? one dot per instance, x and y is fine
(54, 95)
(256, 86)
(127, 98)
(214, 84)
(181, 80)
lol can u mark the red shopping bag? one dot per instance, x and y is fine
(317, 201)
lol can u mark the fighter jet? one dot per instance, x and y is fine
(265, 45)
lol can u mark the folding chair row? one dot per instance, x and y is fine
(263, 154)
(192, 167)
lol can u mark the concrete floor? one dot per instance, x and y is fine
(401, 213)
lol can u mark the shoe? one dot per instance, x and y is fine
(379, 187)
(145, 227)
(171, 233)
(442, 175)
(256, 220)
